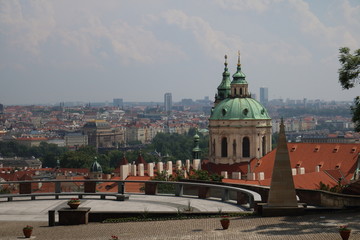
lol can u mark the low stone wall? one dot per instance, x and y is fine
(328, 199)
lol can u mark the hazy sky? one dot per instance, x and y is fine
(83, 50)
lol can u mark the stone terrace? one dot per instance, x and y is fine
(315, 226)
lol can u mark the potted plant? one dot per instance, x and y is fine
(74, 203)
(344, 231)
(113, 237)
(225, 222)
(27, 230)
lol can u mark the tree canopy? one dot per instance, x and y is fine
(349, 76)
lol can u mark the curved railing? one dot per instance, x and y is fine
(202, 190)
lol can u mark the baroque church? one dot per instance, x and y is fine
(239, 126)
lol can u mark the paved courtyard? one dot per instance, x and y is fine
(310, 226)
(317, 226)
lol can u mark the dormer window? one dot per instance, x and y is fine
(353, 150)
(317, 148)
(293, 149)
(336, 149)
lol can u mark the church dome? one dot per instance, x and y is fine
(95, 167)
(238, 109)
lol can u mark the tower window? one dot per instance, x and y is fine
(246, 147)
(263, 146)
(224, 147)
(234, 148)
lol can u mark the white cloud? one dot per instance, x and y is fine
(324, 35)
(213, 43)
(259, 6)
(26, 27)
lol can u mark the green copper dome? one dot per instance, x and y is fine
(239, 77)
(224, 87)
(239, 108)
(95, 167)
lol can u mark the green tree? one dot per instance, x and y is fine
(349, 76)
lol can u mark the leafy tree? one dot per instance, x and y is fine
(349, 76)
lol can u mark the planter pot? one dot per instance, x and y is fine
(345, 234)
(74, 205)
(151, 188)
(27, 233)
(225, 223)
(203, 192)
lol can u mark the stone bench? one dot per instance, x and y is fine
(119, 196)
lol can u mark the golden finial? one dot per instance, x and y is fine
(239, 64)
(226, 61)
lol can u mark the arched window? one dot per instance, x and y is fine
(246, 147)
(234, 148)
(224, 147)
(241, 92)
(263, 146)
(234, 91)
(213, 148)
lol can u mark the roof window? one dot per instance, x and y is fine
(336, 149)
(293, 148)
(353, 150)
(317, 148)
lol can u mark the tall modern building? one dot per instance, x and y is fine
(167, 102)
(118, 102)
(264, 95)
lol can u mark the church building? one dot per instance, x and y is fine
(239, 126)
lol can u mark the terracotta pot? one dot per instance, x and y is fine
(74, 205)
(345, 234)
(27, 233)
(225, 223)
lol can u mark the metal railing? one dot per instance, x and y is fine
(150, 188)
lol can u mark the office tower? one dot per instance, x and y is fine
(167, 102)
(264, 95)
(118, 102)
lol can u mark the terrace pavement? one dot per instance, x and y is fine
(311, 226)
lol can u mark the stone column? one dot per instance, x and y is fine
(150, 169)
(141, 169)
(187, 164)
(169, 167)
(224, 174)
(196, 164)
(133, 170)
(160, 167)
(178, 164)
(124, 172)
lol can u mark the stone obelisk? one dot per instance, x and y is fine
(282, 195)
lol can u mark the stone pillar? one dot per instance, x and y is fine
(196, 164)
(150, 169)
(250, 176)
(160, 167)
(141, 169)
(187, 164)
(224, 174)
(169, 168)
(261, 176)
(133, 170)
(301, 170)
(236, 175)
(124, 172)
(178, 164)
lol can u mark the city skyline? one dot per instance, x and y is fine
(93, 52)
